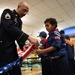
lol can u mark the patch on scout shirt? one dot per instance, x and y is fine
(57, 37)
(7, 16)
(57, 33)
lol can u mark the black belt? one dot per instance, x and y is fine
(44, 56)
(56, 57)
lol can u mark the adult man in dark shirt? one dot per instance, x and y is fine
(10, 30)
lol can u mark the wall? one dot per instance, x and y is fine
(31, 31)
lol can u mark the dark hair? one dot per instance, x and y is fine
(67, 37)
(62, 32)
(51, 21)
(43, 34)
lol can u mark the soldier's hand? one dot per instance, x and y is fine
(33, 41)
(26, 46)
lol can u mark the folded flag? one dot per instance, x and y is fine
(22, 55)
(25, 53)
(10, 65)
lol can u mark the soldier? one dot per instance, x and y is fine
(10, 30)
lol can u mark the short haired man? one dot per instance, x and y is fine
(10, 30)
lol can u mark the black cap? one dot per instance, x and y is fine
(67, 37)
(62, 32)
(43, 34)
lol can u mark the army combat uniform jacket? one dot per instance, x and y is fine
(10, 30)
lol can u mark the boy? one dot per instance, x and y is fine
(56, 49)
(70, 53)
(45, 60)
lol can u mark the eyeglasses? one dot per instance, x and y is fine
(25, 10)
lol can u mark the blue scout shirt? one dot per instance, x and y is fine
(70, 49)
(55, 39)
(44, 43)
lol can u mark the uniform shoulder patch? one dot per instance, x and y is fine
(57, 37)
(7, 16)
(57, 33)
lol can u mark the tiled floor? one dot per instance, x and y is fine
(35, 71)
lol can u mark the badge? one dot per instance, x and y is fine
(57, 33)
(57, 37)
(15, 20)
(7, 16)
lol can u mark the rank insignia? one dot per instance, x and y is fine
(7, 16)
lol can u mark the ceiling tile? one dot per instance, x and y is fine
(72, 14)
(62, 10)
(62, 25)
(50, 13)
(34, 2)
(51, 3)
(73, 20)
(59, 10)
(70, 22)
(68, 7)
(42, 7)
(65, 16)
(62, 2)
(73, 2)
(34, 10)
